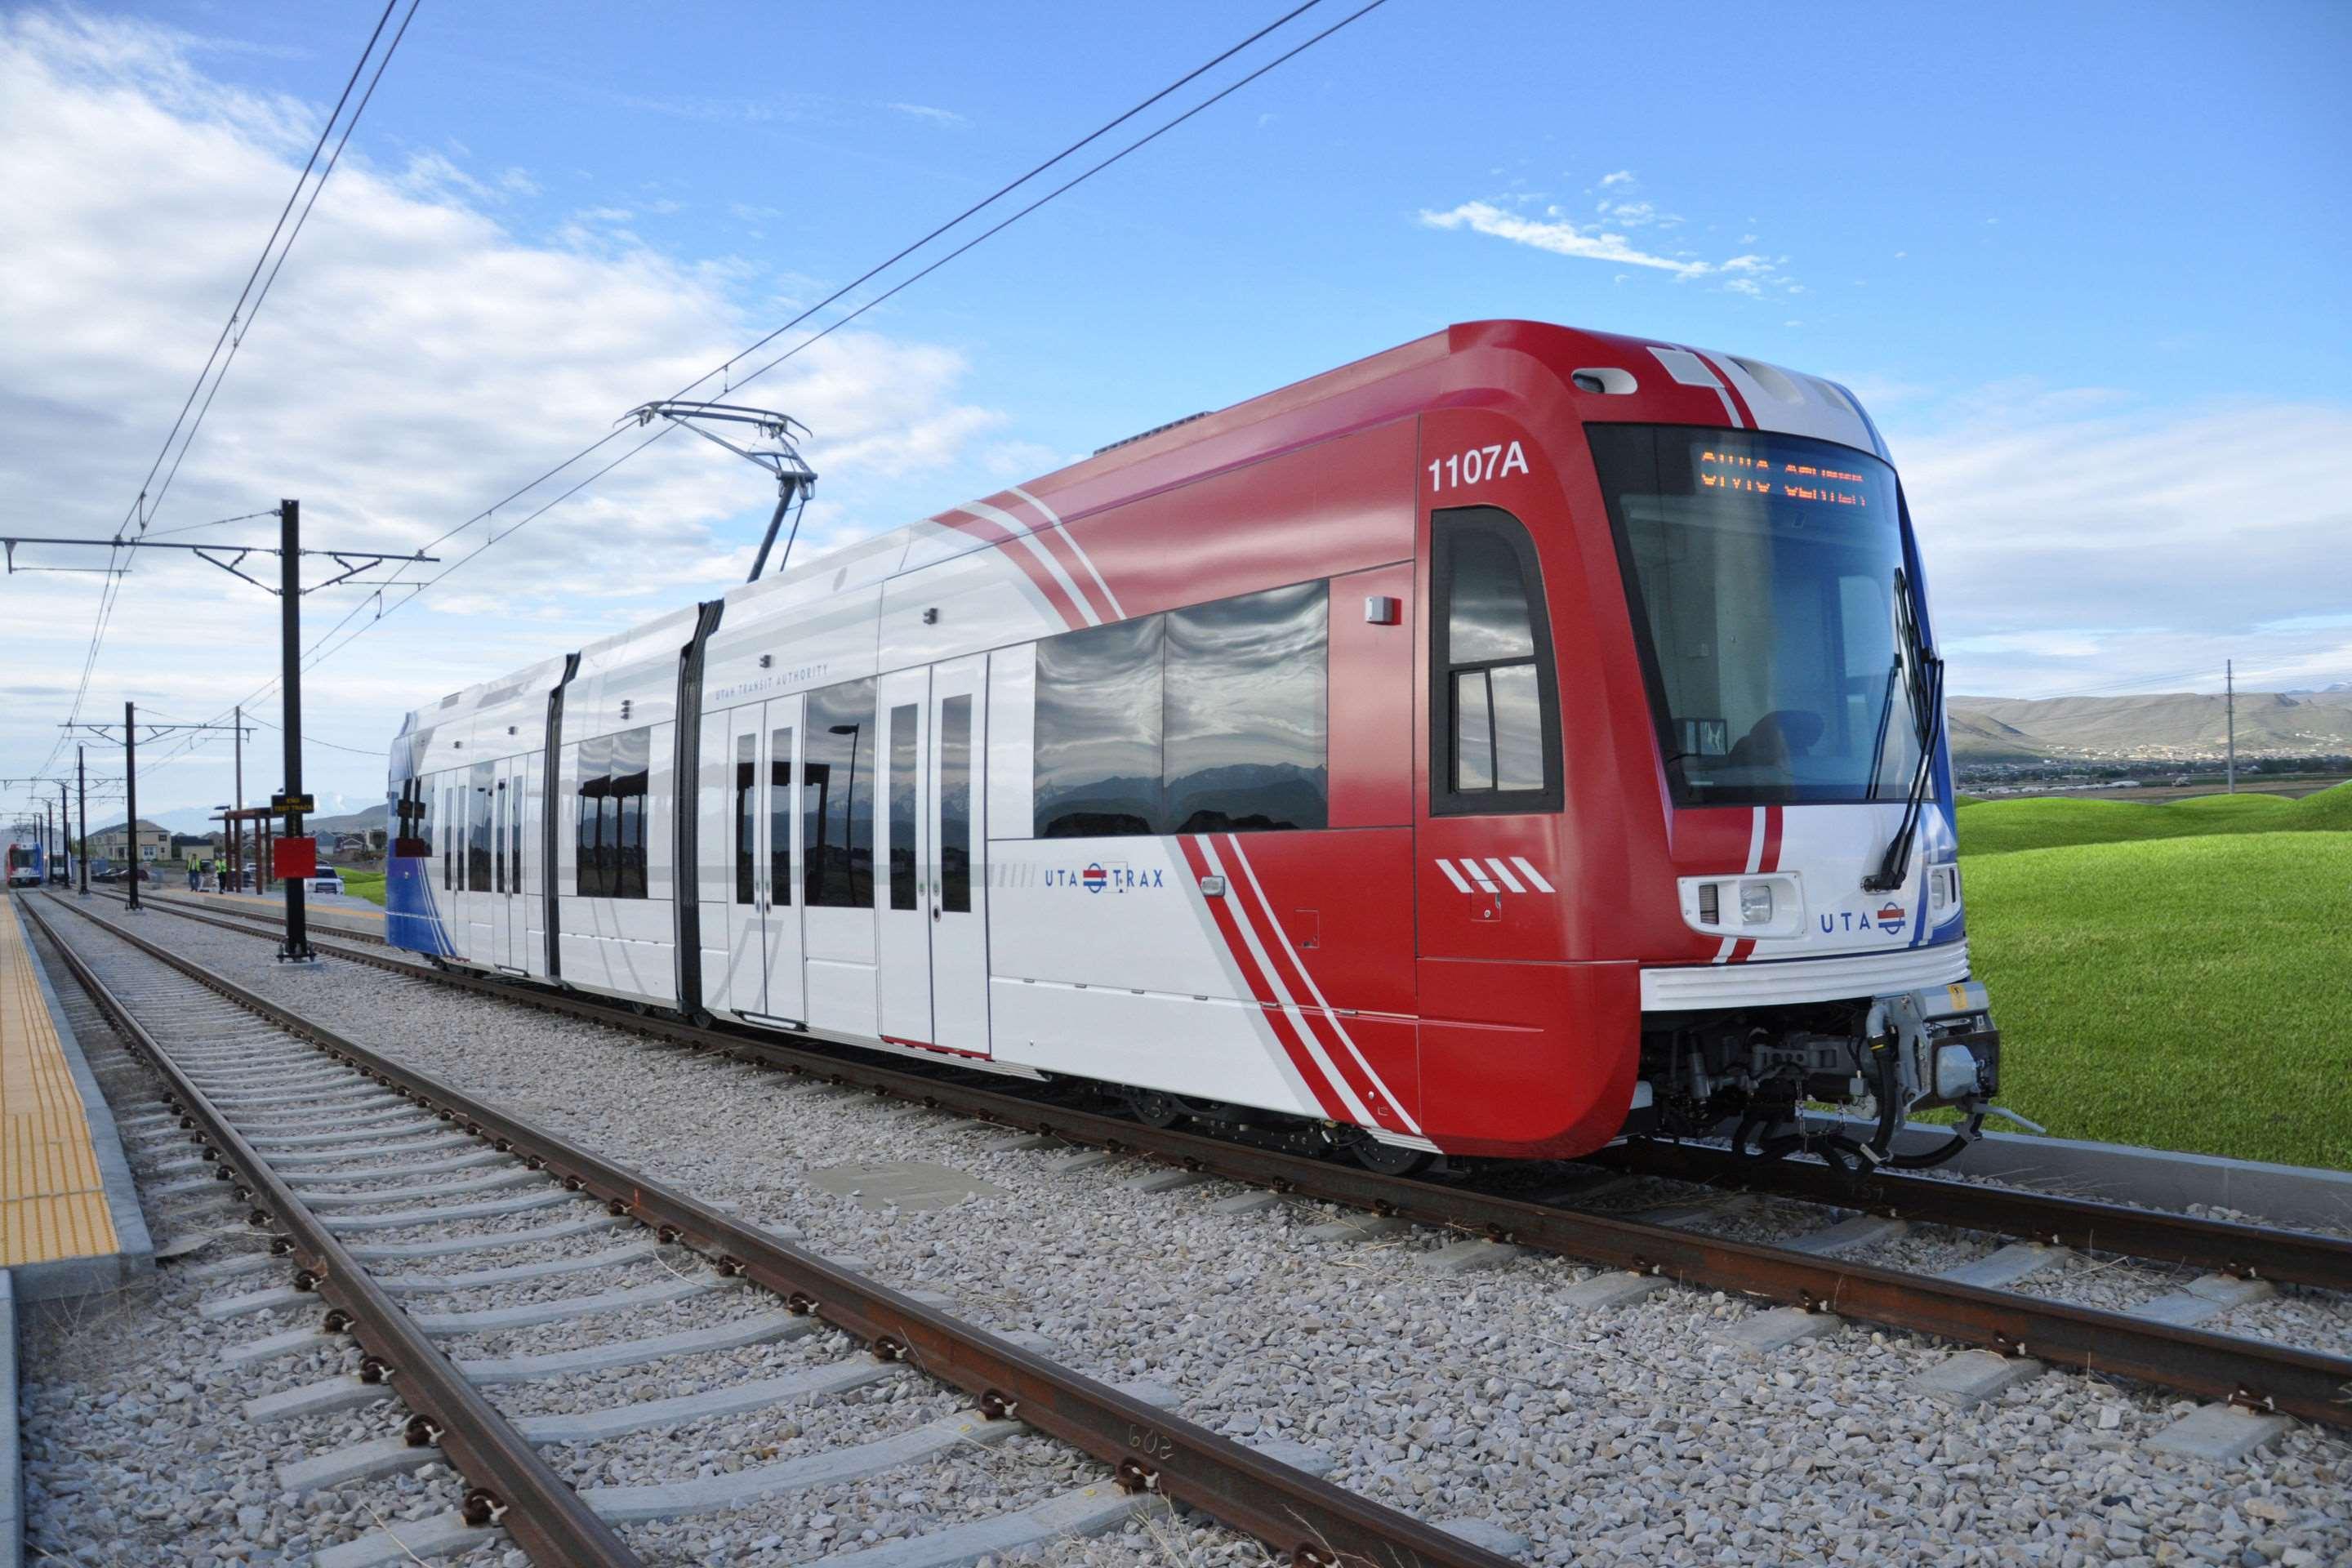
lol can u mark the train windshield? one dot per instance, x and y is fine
(1762, 575)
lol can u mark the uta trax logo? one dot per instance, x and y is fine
(1097, 877)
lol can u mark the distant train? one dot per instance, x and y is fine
(28, 860)
(1514, 740)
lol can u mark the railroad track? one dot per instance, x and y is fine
(322, 1139)
(2157, 1343)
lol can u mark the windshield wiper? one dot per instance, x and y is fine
(1925, 689)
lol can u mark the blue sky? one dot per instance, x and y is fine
(2085, 262)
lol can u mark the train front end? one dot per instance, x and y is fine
(1805, 981)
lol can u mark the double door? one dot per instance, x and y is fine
(506, 917)
(909, 966)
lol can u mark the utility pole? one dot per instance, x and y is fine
(130, 790)
(65, 833)
(235, 839)
(231, 558)
(81, 790)
(297, 946)
(2230, 706)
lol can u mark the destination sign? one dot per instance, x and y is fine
(289, 804)
(1783, 479)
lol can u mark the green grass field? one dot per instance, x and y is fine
(2173, 974)
(368, 885)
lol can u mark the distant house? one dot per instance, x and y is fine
(113, 844)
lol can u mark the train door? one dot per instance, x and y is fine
(779, 955)
(903, 858)
(502, 890)
(747, 894)
(529, 875)
(958, 857)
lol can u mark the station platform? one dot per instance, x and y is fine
(70, 1218)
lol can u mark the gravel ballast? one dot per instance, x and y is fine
(1632, 1435)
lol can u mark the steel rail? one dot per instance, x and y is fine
(2158, 1235)
(2254, 1372)
(512, 1486)
(1148, 1449)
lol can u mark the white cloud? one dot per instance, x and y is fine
(1608, 239)
(416, 360)
(2074, 536)
(924, 112)
(1622, 177)
(1559, 236)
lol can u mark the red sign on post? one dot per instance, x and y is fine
(291, 857)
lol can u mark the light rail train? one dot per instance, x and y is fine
(28, 860)
(1514, 740)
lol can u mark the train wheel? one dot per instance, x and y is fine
(1388, 1159)
(1154, 1109)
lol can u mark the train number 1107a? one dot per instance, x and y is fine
(1469, 467)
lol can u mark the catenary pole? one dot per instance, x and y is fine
(235, 828)
(131, 792)
(81, 789)
(296, 948)
(65, 833)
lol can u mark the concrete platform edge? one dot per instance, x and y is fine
(66, 1278)
(2159, 1178)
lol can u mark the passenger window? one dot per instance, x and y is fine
(1245, 687)
(632, 762)
(590, 876)
(1098, 731)
(478, 850)
(779, 815)
(955, 806)
(1495, 739)
(837, 797)
(903, 878)
(747, 781)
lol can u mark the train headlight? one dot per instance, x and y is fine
(1756, 903)
(1942, 887)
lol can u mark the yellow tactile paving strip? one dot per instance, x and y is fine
(52, 1204)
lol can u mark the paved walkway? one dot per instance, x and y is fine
(53, 1202)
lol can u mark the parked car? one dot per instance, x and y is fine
(325, 879)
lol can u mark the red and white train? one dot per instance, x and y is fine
(1504, 744)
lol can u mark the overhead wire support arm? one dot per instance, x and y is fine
(780, 455)
(353, 561)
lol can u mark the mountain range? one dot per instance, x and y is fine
(2177, 726)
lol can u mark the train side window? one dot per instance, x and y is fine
(478, 848)
(901, 803)
(1098, 759)
(955, 806)
(449, 839)
(1495, 738)
(779, 815)
(747, 779)
(588, 879)
(498, 831)
(631, 765)
(837, 797)
(1247, 681)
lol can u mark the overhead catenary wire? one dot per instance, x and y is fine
(143, 507)
(318, 650)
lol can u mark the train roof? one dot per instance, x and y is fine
(1456, 363)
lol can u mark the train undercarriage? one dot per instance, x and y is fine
(1837, 1080)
